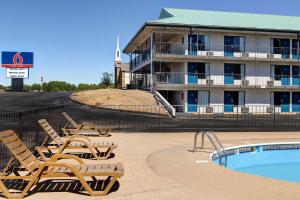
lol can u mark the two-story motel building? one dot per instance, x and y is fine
(220, 61)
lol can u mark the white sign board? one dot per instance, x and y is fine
(17, 72)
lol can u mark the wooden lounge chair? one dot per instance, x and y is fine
(76, 142)
(73, 128)
(31, 169)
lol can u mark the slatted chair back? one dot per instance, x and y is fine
(50, 131)
(69, 119)
(19, 150)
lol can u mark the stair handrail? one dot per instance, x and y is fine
(212, 137)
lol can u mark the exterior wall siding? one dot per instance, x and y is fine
(257, 72)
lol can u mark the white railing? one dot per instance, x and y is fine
(165, 103)
(226, 79)
(217, 51)
(234, 51)
(239, 109)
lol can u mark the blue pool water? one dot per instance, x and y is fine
(277, 164)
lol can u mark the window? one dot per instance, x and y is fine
(280, 46)
(281, 98)
(234, 44)
(201, 43)
(237, 71)
(198, 43)
(198, 69)
(234, 70)
(295, 48)
(281, 71)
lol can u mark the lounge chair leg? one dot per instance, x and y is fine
(100, 133)
(95, 153)
(109, 186)
(62, 148)
(108, 153)
(98, 193)
(22, 194)
(105, 156)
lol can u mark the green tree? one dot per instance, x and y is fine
(45, 87)
(106, 80)
(64, 86)
(36, 86)
(83, 86)
(2, 87)
(26, 87)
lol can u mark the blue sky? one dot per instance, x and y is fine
(75, 40)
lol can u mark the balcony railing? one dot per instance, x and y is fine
(235, 51)
(169, 48)
(139, 60)
(219, 51)
(226, 79)
(239, 109)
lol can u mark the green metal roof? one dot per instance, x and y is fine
(223, 20)
(185, 17)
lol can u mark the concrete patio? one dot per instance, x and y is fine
(160, 166)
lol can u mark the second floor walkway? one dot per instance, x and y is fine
(224, 80)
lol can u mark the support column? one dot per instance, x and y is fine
(151, 62)
(291, 49)
(291, 102)
(291, 75)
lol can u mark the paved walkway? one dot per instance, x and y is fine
(160, 166)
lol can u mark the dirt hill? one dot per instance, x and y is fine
(132, 100)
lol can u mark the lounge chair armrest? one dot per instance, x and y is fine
(104, 129)
(56, 157)
(120, 168)
(69, 140)
(79, 137)
(88, 124)
(69, 131)
(40, 152)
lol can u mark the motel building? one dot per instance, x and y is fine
(219, 62)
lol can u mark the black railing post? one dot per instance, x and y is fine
(237, 118)
(36, 128)
(274, 118)
(20, 125)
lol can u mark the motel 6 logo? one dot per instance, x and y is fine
(18, 59)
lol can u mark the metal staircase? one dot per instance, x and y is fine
(216, 143)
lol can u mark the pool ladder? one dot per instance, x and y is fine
(216, 143)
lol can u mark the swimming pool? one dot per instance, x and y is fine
(277, 161)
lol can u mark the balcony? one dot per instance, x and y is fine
(225, 80)
(240, 109)
(140, 60)
(181, 50)
(228, 52)
(170, 48)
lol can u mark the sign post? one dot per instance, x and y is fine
(17, 66)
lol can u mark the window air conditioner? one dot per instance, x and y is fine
(245, 82)
(270, 83)
(245, 109)
(209, 109)
(270, 109)
(209, 82)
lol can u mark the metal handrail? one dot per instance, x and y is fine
(212, 137)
